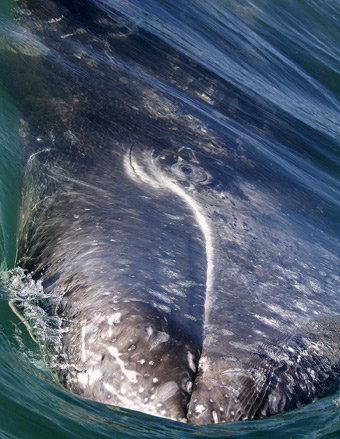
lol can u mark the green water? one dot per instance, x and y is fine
(9, 166)
(9, 185)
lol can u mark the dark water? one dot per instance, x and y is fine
(265, 75)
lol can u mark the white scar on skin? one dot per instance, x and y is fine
(131, 375)
(159, 180)
(83, 349)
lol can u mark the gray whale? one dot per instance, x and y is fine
(188, 288)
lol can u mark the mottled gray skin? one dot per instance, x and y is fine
(188, 288)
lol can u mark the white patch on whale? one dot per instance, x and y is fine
(166, 390)
(162, 337)
(131, 375)
(157, 179)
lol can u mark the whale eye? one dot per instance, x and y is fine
(186, 171)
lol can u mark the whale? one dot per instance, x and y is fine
(190, 282)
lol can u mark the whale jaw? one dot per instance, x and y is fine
(133, 358)
(138, 358)
(281, 376)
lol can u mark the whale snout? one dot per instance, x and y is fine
(134, 358)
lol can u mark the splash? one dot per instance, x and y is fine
(29, 302)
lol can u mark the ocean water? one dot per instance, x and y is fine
(266, 76)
